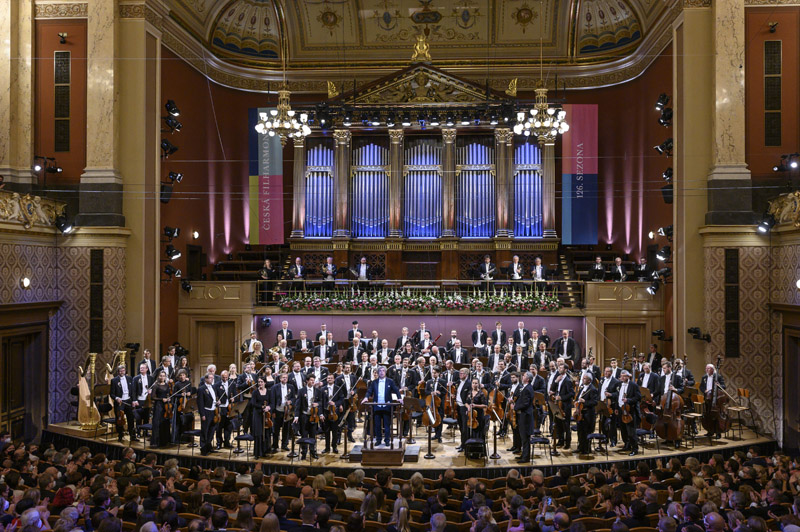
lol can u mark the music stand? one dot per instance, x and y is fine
(370, 440)
(239, 409)
(413, 405)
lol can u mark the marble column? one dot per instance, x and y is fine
(502, 138)
(16, 98)
(729, 182)
(549, 191)
(341, 181)
(395, 183)
(448, 182)
(100, 188)
(299, 182)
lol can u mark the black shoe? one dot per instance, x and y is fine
(351, 439)
(302, 457)
(439, 440)
(566, 446)
(632, 453)
(326, 450)
(459, 449)
(285, 448)
(555, 452)
(335, 450)
(522, 460)
(314, 456)
(512, 449)
(677, 445)
(134, 438)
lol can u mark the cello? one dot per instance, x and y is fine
(715, 418)
(432, 418)
(669, 425)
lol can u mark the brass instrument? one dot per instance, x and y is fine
(88, 415)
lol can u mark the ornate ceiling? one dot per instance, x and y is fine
(363, 39)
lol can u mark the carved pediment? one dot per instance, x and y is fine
(419, 84)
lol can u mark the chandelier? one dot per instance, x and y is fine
(283, 121)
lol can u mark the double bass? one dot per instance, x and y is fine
(716, 418)
(669, 425)
(432, 418)
(496, 398)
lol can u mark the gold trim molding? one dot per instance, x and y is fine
(132, 11)
(61, 10)
(28, 210)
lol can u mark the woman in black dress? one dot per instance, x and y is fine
(260, 404)
(160, 435)
(479, 403)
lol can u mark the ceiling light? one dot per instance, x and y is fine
(665, 148)
(653, 288)
(766, 224)
(187, 286)
(172, 253)
(666, 117)
(435, 119)
(662, 101)
(347, 118)
(171, 232)
(62, 224)
(25, 283)
(797, 284)
(663, 272)
(493, 118)
(376, 119)
(283, 122)
(406, 121)
(664, 253)
(167, 148)
(195, 234)
(171, 271)
(172, 108)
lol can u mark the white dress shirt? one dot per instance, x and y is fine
(622, 391)
(126, 395)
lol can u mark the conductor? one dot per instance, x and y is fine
(381, 391)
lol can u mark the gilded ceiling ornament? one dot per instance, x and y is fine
(333, 92)
(512, 88)
(386, 15)
(421, 49)
(524, 15)
(328, 18)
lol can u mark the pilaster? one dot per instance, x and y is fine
(549, 191)
(299, 181)
(448, 182)
(395, 183)
(341, 182)
(502, 137)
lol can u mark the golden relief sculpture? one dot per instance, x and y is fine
(512, 88)
(422, 84)
(333, 92)
(786, 208)
(422, 50)
(29, 210)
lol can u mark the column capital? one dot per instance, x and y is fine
(449, 135)
(342, 136)
(396, 135)
(298, 142)
(503, 135)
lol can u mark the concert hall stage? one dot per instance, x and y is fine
(446, 457)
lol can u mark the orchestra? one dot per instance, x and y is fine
(317, 392)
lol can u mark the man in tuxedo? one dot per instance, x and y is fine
(354, 351)
(515, 269)
(618, 273)
(587, 396)
(539, 274)
(401, 341)
(319, 371)
(519, 361)
(648, 379)
(373, 344)
(598, 374)
(395, 370)
(335, 396)
(225, 390)
(684, 372)
(165, 367)
(608, 391)
(544, 337)
(499, 336)
(297, 274)
(597, 272)
(523, 406)
(669, 382)
(285, 331)
(323, 332)
(486, 271)
(462, 400)
(323, 352)
(521, 335)
(348, 382)
(616, 371)
(563, 390)
(352, 332)
(567, 348)
(206, 404)
(382, 391)
(478, 336)
(329, 271)
(247, 347)
(451, 343)
(494, 359)
(628, 394)
(539, 385)
(708, 386)
(297, 378)
(483, 377)
(542, 357)
(363, 370)
(141, 384)
(309, 396)
(285, 351)
(384, 354)
(534, 340)
(448, 374)
(304, 345)
(642, 271)
(121, 393)
(436, 387)
(425, 344)
(149, 362)
(653, 357)
(282, 395)
(363, 273)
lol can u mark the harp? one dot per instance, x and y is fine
(88, 415)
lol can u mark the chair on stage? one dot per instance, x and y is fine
(145, 429)
(743, 393)
(101, 395)
(188, 410)
(236, 425)
(451, 424)
(600, 438)
(641, 434)
(693, 418)
(538, 439)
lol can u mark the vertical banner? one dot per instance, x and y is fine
(579, 176)
(266, 185)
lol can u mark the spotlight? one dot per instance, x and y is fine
(171, 271)
(406, 120)
(375, 120)
(25, 282)
(133, 346)
(390, 122)
(659, 332)
(493, 118)
(435, 119)
(664, 253)
(172, 123)
(62, 36)
(323, 115)
(793, 160)
(652, 235)
(63, 225)
(665, 148)
(773, 26)
(766, 224)
(698, 335)
(53, 169)
(666, 117)
(172, 232)
(195, 234)
(172, 108)
(37, 167)
(781, 167)
(175, 177)
(265, 321)
(663, 272)
(667, 175)
(465, 119)
(653, 288)
(167, 148)
(797, 284)
(665, 231)
(172, 253)
(187, 286)
(450, 120)
(347, 118)
(693, 330)
(662, 101)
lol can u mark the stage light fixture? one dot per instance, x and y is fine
(653, 288)
(195, 234)
(697, 334)
(172, 232)
(406, 120)
(265, 321)
(167, 148)
(659, 332)
(693, 330)
(375, 120)
(434, 121)
(37, 167)
(667, 175)
(172, 108)
(664, 253)
(63, 224)
(781, 167)
(666, 117)
(766, 224)
(347, 118)
(133, 347)
(662, 101)
(171, 271)
(465, 119)
(25, 283)
(175, 177)
(390, 121)
(797, 284)
(652, 235)
(665, 148)
(665, 231)
(172, 253)
(450, 120)
(187, 286)
(662, 273)
(172, 124)
(493, 118)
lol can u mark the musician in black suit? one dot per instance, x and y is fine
(122, 393)
(382, 391)
(297, 377)
(206, 405)
(519, 360)
(648, 379)
(616, 371)
(708, 387)
(304, 345)
(684, 372)
(483, 377)
(567, 348)
(181, 421)
(642, 271)
(384, 354)
(498, 335)
(329, 272)
(618, 273)
(486, 271)
(285, 331)
(395, 369)
(335, 397)
(478, 336)
(462, 399)
(609, 386)
(353, 330)
(149, 362)
(348, 380)
(539, 274)
(436, 387)
(597, 271)
(653, 358)
(542, 357)
(495, 358)
(297, 274)
(425, 344)
(247, 345)
(588, 397)
(165, 367)
(539, 386)
(354, 352)
(628, 394)
(563, 390)
(373, 344)
(544, 337)
(324, 353)
(451, 343)
(515, 270)
(669, 382)
(319, 371)
(521, 335)
(225, 390)
(308, 397)
(523, 406)
(363, 273)
(281, 398)
(141, 386)
(402, 340)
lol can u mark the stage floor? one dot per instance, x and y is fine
(445, 453)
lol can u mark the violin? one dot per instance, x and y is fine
(168, 404)
(313, 414)
(511, 414)
(267, 418)
(450, 409)
(332, 415)
(121, 416)
(181, 402)
(473, 417)
(578, 416)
